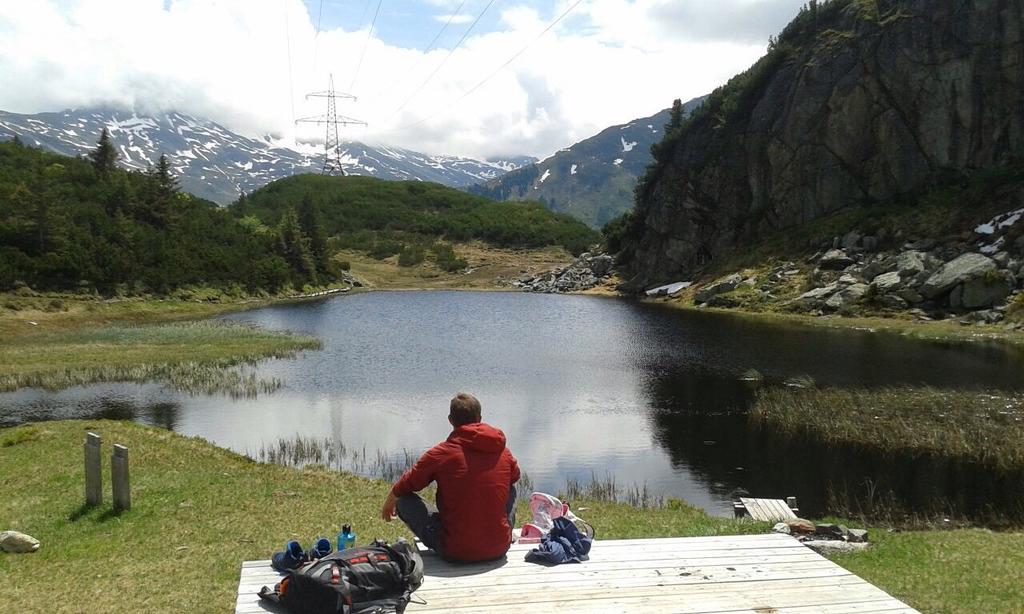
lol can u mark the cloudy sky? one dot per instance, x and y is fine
(467, 77)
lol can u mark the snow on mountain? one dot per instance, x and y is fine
(214, 163)
(592, 180)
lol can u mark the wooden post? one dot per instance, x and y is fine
(93, 470)
(119, 478)
(791, 502)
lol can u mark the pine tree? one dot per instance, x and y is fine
(17, 141)
(294, 248)
(313, 227)
(675, 121)
(104, 157)
(166, 182)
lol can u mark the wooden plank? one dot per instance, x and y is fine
(119, 479)
(729, 574)
(696, 598)
(767, 510)
(93, 470)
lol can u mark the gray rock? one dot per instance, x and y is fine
(857, 536)
(988, 316)
(887, 282)
(602, 265)
(1018, 245)
(848, 280)
(835, 260)
(910, 295)
(851, 240)
(782, 528)
(847, 296)
(834, 531)
(870, 243)
(13, 541)
(956, 297)
(892, 301)
(955, 272)
(719, 286)
(1001, 259)
(987, 290)
(910, 263)
(818, 295)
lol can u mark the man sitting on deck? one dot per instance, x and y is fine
(475, 475)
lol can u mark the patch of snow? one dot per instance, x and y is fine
(547, 174)
(70, 133)
(670, 289)
(572, 171)
(245, 167)
(627, 147)
(618, 161)
(991, 249)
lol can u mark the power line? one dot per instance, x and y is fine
(288, 41)
(316, 37)
(476, 87)
(366, 43)
(429, 48)
(444, 61)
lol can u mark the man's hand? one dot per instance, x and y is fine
(388, 511)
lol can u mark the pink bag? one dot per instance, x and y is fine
(546, 508)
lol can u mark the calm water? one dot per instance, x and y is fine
(580, 386)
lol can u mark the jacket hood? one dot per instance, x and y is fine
(480, 437)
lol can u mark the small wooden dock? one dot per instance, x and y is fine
(757, 574)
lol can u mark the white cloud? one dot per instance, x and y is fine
(454, 19)
(613, 60)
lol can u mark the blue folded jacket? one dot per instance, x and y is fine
(563, 544)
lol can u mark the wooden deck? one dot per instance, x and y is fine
(767, 510)
(757, 574)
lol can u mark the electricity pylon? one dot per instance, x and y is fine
(332, 145)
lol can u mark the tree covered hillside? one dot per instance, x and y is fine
(83, 224)
(387, 218)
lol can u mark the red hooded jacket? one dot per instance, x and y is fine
(473, 470)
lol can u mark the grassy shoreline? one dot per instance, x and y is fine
(935, 331)
(199, 510)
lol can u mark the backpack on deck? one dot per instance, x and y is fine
(378, 579)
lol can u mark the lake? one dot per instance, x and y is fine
(582, 387)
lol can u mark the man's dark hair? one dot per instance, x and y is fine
(465, 409)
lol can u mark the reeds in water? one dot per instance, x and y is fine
(301, 451)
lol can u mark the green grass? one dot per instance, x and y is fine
(987, 428)
(939, 572)
(192, 357)
(198, 511)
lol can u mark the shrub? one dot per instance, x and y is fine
(411, 255)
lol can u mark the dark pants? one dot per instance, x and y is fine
(425, 521)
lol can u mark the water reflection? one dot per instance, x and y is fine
(580, 385)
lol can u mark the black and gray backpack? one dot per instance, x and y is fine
(375, 579)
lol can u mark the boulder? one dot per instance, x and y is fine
(848, 279)
(892, 301)
(888, 282)
(835, 260)
(831, 546)
(602, 265)
(13, 541)
(719, 286)
(847, 296)
(1018, 245)
(817, 296)
(857, 536)
(910, 295)
(783, 528)
(987, 290)
(1001, 259)
(870, 244)
(910, 263)
(851, 240)
(957, 271)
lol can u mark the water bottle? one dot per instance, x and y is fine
(346, 539)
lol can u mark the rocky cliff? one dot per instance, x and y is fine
(857, 102)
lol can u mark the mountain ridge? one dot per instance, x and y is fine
(593, 179)
(215, 163)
